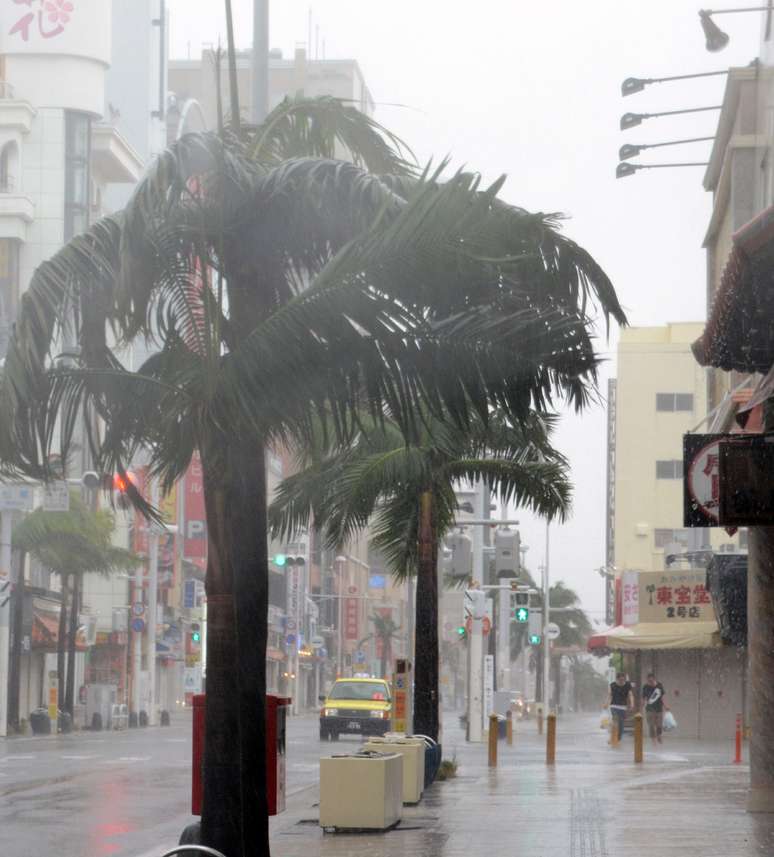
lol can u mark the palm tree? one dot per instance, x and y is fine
(574, 630)
(385, 631)
(278, 291)
(409, 489)
(72, 544)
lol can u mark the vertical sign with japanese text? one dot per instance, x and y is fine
(351, 623)
(194, 512)
(630, 598)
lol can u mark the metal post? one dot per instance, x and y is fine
(546, 620)
(504, 640)
(638, 738)
(298, 574)
(340, 646)
(153, 588)
(260, 60)
(137, 598)
(6, 588)
(509, 727)
(493, 727)
(738, 740)
(475, 667)
(410, 648)
(540, 718)
(551, 739)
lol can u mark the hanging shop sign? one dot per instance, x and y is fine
(701, 480)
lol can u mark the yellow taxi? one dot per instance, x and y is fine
(358, 706)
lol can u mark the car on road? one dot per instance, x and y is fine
(358, 706)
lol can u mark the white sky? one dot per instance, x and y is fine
(532, 89)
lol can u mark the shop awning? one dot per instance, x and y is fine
(738, 335)
(657, 635)
(45, 632)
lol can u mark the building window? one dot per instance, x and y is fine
(664, 538)
(9, 289)
(743, 539)
(674, 401)
(669, 470)
(77, 177)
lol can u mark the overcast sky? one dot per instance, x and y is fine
(532, 90)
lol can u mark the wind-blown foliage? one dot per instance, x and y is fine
(278, 286)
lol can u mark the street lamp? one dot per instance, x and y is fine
(630, 120)
(716, 39)
(625, 169)
(631, 150)
(636, 84)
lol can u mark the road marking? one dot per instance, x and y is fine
(134, 758)
(79, 758)
(176, 740)
(17, 758)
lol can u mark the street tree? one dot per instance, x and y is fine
(385, 631)
(574, 630)
(277, 290)
(405, 494)
(71, 545)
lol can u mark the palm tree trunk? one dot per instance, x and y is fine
(426, 632)
(235, 810)
(75, 597)
(61, 641)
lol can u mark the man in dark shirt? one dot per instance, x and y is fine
(654, 705)
(620, 699)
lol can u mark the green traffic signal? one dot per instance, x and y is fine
(196, 637)
(534, 639)
(280, 560)
(461, 631)
(522, 614)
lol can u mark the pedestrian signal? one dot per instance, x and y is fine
(534, 639)
(461, 632)
(522, 614)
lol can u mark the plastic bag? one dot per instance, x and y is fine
(669, 723)
(604, 723)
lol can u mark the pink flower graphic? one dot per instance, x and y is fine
(58, 11)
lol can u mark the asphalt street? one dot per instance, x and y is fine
(114, 793)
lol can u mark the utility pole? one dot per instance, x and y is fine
(475, 607)
(260, 60)
(546, 619)
(153, 588)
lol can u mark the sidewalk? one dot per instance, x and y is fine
(687, 799)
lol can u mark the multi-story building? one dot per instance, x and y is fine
(194, 81)
(662, 611)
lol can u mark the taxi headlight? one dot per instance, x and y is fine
(331, 712)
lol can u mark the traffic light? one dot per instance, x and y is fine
(120, 484)
(196, 634)
(534, 639)
(461, 632)
(283, 560)
(507, 543)
(522, 614)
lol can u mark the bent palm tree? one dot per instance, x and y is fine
(410, 492)
(277, 291)
(72, 544)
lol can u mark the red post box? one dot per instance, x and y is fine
(276, 728)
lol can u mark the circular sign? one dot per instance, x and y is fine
(138, 625)
(138, 608)
(290, 639)
(486, 625)
(317, 642)
(360, 657)
(703, 479)
(552, 631)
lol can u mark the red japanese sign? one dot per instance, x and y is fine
(351, 617)
(194, 512)
(45, 18)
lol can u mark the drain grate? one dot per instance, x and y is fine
(587, 825)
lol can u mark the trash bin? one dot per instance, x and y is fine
(432, 759)
(65, 722)
(361, 791)
(413, 752)
(40, 723)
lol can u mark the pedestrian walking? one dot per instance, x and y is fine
(654, 705)
(620, 699)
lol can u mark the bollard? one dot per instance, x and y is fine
(540, 720)
(509, 728)
(551, 739)
(613, 732)
(738, 756)
(638, 738)
(493, 728)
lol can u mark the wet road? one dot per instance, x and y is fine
(112, 794)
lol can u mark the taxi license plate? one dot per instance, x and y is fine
(354, 725)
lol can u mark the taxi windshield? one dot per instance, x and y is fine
(365, 690)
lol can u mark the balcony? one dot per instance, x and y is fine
(14, 114)
(16, 211)
(113, 159)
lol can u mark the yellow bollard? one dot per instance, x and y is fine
(551, 739)
(509, 727)
(638, 738)
(540, 720)
(492, 740)
(613, 732)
